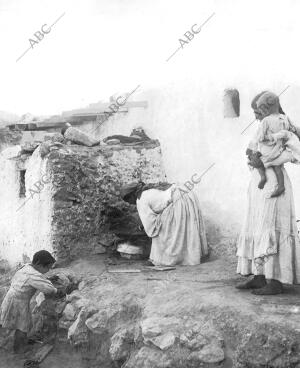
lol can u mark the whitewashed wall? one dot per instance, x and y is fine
(23, 231)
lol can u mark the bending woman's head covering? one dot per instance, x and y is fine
(136, 189)
(132, 189)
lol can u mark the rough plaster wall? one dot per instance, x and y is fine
(10, 246)
(37, 213)
(187, 118)
(25, 230)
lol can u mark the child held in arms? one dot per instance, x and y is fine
(274, 143)
(15, 309)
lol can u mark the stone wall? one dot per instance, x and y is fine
(88, 214)
(77, 210)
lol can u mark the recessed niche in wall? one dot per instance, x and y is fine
(231, 101)
(22, 187)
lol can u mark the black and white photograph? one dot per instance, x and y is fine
(149, 184)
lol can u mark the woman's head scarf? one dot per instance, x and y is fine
(268, 99)
(137, 188)
(131, 189)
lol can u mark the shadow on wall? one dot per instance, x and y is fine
(221, 233)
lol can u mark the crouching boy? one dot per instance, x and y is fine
(15, 309)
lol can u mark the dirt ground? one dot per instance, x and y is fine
(207, 287)
(61, 357)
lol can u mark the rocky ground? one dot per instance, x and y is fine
(185, 318)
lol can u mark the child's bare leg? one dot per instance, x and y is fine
(20, 341)
(256, 162)
(263, 178)
(280, 181)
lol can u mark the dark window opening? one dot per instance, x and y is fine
(231, 103)
(22, 187)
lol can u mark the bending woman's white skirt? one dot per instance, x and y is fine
(177, 228)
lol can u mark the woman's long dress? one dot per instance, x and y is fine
(177, 228)
(269, 244)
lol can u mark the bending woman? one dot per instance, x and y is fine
(268, 246)
(171, 216)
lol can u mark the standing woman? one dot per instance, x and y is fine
(171, 216)
(268, 246)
